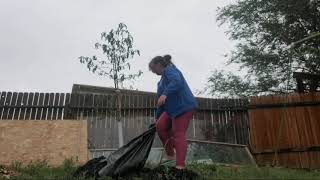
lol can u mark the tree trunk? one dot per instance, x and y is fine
(118, 117)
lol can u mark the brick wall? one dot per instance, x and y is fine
(54, 141)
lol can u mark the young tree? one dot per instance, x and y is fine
(117, 49)
(263, 31)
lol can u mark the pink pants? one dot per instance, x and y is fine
(172, 134)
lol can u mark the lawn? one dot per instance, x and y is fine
(41, 170)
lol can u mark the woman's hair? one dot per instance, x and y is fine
(163, 60)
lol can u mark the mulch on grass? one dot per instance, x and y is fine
(162, 173)
(6, 173)
(159, 173)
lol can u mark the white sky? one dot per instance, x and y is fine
(41, 40)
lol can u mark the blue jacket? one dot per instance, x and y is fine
(179, 96)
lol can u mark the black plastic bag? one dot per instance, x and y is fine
(130, 157)
(91, 168)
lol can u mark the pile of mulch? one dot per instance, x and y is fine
(5, 173)
(161, 173)
(168, 173)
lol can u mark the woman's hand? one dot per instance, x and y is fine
(161, 100)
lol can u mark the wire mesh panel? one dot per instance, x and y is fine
(199, 152)
(213, 152)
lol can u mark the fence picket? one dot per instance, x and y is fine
(18, 106)
(55, 111)
(7, 103)
(60, 104)
(36, 104)
(50, 106)
(12, 105)
(2, 103)
(24, 106)
(29, 107)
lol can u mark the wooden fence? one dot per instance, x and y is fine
(33, 106)
(285, 130)
(220, 120)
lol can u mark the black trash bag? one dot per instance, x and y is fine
(130, 157)
(91, 168)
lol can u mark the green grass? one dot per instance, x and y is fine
(249, 172)
(41, 170)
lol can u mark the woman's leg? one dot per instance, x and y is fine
(179, 128)
(163, 126)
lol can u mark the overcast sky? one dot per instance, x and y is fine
(41, 40)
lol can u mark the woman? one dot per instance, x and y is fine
(176, 105)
